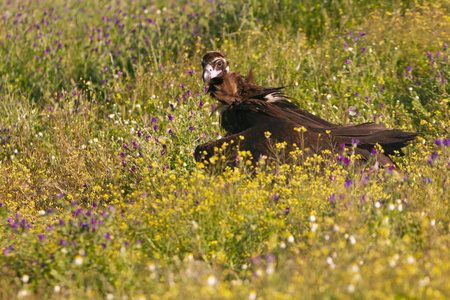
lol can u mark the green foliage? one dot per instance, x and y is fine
(102, 106)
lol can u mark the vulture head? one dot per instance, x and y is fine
(215, 65)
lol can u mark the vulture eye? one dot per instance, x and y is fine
(219, 63)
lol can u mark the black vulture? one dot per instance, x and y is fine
(256, 118)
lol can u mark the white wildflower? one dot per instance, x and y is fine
(352, 240)
(22, 293)
(424, 280)
(78, 260)
(211, 280)
(151, 267)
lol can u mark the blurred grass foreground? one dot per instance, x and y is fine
(102, 105)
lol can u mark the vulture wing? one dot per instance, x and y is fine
(286, 110)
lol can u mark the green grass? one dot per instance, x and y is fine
(100, 196)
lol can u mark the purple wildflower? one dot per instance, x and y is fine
(270, 258)
(434, 156)
(363, 199)
(348, 183)
(347, 161)
(332, 198)
(255, 260)
(365, 180)
(275, 197)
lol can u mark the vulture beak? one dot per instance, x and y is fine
(209, 73)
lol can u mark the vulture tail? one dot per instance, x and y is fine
(369, 134)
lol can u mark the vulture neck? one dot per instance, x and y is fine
(227, 89)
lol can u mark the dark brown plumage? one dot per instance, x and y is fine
(249, 111)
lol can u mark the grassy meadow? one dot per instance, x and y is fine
(102, 105)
